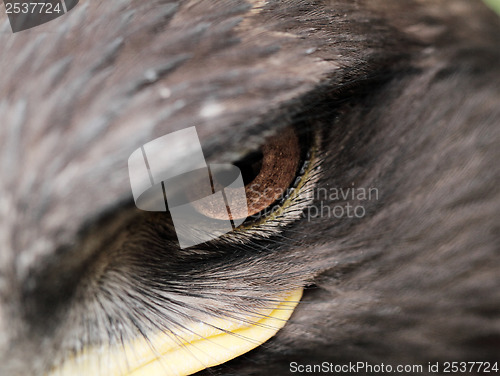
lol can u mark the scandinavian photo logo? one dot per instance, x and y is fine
(205, 201)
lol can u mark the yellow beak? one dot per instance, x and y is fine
(202, 345)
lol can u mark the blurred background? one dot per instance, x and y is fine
(495, 4)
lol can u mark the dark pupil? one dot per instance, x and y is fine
(250, 166)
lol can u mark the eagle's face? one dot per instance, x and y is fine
(389, 108)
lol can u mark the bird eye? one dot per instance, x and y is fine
(267, 173)
(283, 172)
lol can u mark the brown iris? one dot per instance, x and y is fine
(280, 160)
(267, 175)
